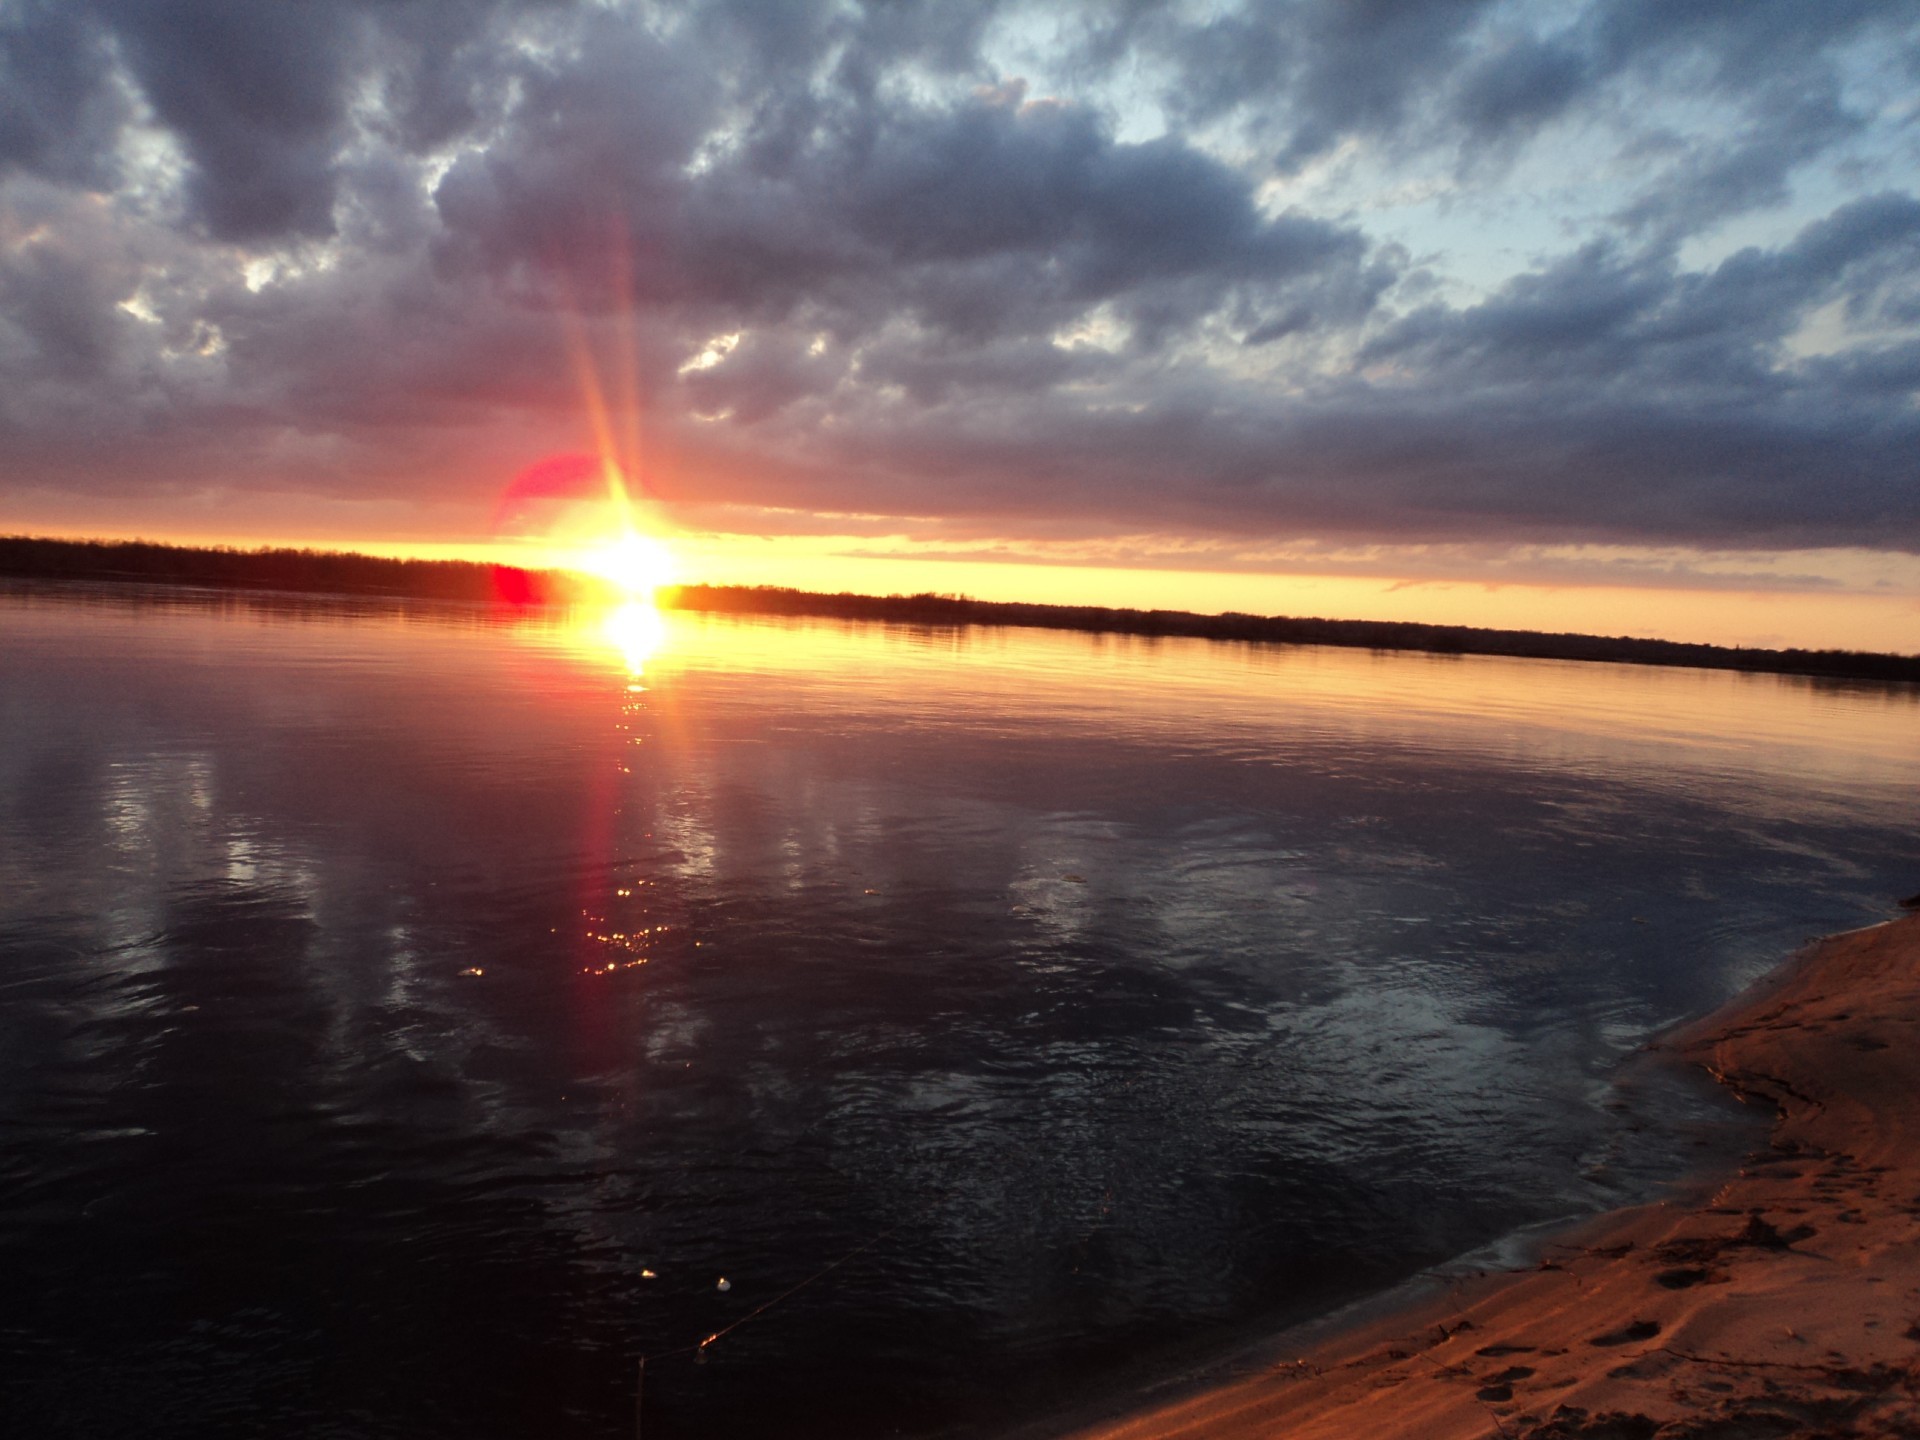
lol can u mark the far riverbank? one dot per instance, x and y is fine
(342, 573)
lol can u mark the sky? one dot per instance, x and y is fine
(1600, 315)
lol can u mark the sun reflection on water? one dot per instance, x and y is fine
(634, 630)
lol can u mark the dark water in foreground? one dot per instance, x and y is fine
(406, 1021)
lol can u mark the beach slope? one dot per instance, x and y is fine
(1784, 1302)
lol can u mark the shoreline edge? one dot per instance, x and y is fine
(1783, 1300)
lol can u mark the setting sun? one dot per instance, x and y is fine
(638, 564)
(581, 512)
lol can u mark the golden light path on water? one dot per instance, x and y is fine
(1153, 690)
(1146, 907)
(635, 631)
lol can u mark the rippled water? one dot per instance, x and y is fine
(408, 1018)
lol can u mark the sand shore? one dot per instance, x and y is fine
(1784, 1302)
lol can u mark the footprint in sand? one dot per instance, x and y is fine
(1684, 1277)
(1626, 1334)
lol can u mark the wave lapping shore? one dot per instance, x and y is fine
(1783, 1303)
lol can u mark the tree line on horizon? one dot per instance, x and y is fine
(345, 573)
(330, 572)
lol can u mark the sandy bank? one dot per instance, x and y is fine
(1786, 1303)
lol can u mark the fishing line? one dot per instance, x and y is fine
(699, 1350)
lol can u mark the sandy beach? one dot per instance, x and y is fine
(1784, 1301)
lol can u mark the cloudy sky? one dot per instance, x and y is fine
(1598, 303)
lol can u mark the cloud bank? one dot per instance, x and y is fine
(1627, 272)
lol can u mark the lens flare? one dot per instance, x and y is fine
(579, 513)
(593, 512)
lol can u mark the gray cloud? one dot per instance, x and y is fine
(1607, 314)
(327, 246)
(57, 117)
(256, 95)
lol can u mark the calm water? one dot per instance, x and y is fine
(407, 1020)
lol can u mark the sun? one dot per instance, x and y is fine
(581, 513)
(634, 563)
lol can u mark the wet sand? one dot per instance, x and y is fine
(1784, 1301)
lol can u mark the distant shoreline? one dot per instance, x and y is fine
(344, 573)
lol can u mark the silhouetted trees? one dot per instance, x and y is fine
(1289, 630)
(328, 572)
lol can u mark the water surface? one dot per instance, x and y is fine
(408, 1017)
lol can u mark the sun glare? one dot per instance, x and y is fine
(580, 513)
(636, 564)
(637, 631)
(594, 511)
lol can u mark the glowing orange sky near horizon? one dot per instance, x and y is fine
(596, 508)
(580, 513)
(594, 512)
(1886, 619)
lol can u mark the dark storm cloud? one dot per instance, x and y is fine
(58, 302)
(258, 92)
(57, 117)
(860, 264)
(596, 146)
(1523, 82)
(997, 217)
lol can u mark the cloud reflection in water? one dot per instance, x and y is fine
(1133, 990)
